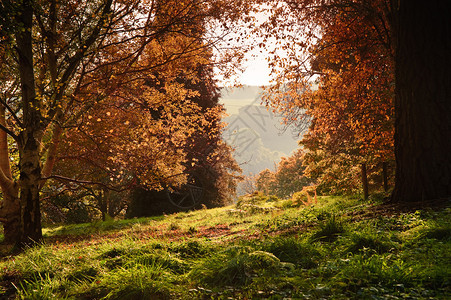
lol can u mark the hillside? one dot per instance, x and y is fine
(256, 134)
(260, 248)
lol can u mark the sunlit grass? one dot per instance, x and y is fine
(261, 248)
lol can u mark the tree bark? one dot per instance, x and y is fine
(30, 136)
(10, 208)
(385, 175)
(52, 153)
(29, 183)
(103, 203)
(10, 216)
(423, 100)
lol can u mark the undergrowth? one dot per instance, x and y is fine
(261, 248)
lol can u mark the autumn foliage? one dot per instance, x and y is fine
(150, 128)
(286, 180)
(339, 79)
(100, 96)
(106, 82)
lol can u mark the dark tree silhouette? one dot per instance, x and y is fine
(423, 100)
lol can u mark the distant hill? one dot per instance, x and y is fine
(245, 92)
(265, 125)
(236, 98)
(254, 132)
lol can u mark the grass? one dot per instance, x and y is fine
(263, 248)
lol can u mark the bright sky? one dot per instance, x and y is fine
(255, 65)
(256, 73)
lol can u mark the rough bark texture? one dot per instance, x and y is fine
(29, 138)
(29, 182)
(423, 100)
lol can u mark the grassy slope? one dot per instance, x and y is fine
(340, 248)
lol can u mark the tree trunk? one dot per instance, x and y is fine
(31, 134)
(103, 207)
(29, 183)
(423, 101)
(385, 175)
(11, 217)
(364, 181)
(10, 208)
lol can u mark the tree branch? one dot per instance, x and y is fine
(86, 182)
(9, 132)
(52, 152)
(74, 61)
(11, 111)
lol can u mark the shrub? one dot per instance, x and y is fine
(305, 197)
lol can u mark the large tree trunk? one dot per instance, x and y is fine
(29, 183)
(10, 216)
(30, 136)
(423, 100)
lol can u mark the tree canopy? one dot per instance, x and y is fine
(345, 62)
(338, 77)
(116, 92)
(122, 59)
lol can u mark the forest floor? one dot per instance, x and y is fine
(260, 248)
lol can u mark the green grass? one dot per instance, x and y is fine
(263, 248)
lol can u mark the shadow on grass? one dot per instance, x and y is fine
(79, 232)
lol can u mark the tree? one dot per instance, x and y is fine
(149, 136)
(423, 100)
(421, 36)
(266, 182)
(52, 50)
(287, 179)
(339, 77)
(157, 128)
